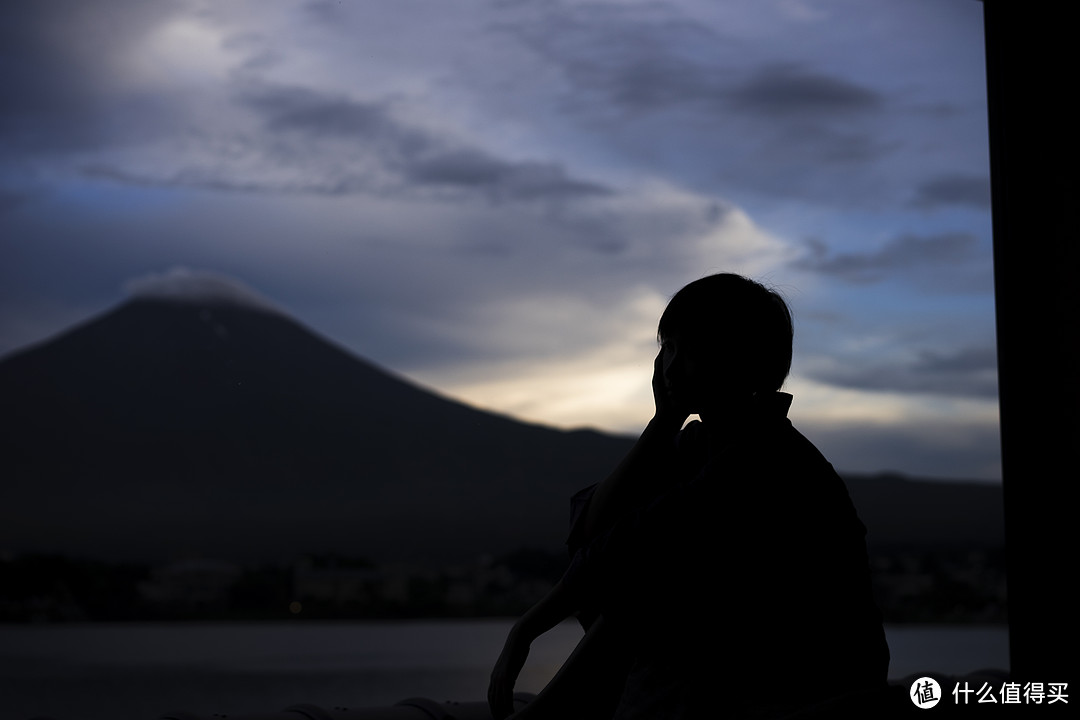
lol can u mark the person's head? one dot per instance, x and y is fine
(729, 337)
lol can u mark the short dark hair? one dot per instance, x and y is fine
(742, 319)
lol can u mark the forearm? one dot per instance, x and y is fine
(589, 683)
(541, 617)
(552, 609)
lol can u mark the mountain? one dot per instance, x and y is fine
(923, 513)
(169, 427)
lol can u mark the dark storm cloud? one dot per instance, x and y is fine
(789, 89)
(212, 178)
(422, 158)
(945, 190)
(770, 123)
(899, 257)
(311, 142)
(967, 372)
(501, 180)
(642, 63)
(321, 115)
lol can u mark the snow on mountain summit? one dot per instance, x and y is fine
(184, 285)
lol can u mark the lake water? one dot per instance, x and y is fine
(116, 672)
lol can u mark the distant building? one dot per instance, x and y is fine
(333, 581)
(193, 584)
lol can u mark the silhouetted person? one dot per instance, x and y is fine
(721, 570)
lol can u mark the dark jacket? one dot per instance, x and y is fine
(751, 571)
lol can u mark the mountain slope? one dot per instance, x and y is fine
(166, 427)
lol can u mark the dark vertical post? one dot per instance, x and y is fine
(1031, 80)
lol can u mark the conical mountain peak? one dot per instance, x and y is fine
(239, 433)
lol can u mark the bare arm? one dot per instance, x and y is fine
(589, 683)
(552, 609)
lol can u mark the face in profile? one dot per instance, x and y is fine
(685, 374)
(673, 364)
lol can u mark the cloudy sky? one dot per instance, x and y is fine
(496, 198)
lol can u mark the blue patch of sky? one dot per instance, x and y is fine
(99, 197)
